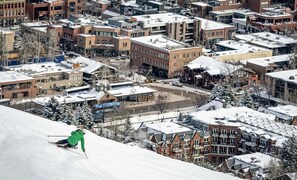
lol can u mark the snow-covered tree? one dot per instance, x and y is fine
(51, 109)
(84, 116)
(289, 154)
(223, 92)
(66, 115)
(247, 100)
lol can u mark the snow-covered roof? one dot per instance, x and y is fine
(87, 65)
(167, 128)
(39, 68)
(130, 90)
(267, 39)
(240, 46)
(213, 25)
(212, 105)
(288, 75)
(255, 159)
(199, 4)
(152, 20)
(28, 155)
(288, 110)
(248, 120)
(110, 13)
(12, 76)
(159, 42)
(268, 61)
(73, 97)
(212, 66)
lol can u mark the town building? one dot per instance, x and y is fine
(240, 130)
(276, 20)
(161, 55)
(12, 12)
(52, 10)
(14, 85)
(283, 85)
(279, 44)
(182, 28)
(178, 142)
(261, 66)
(97, 7)
(127, 91)
(234, 51)
(50, 75)
(7, 41)
(92, 70)
(285, 114)
(206, 72)
(249, 166)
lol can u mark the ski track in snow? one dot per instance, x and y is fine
(26, 154)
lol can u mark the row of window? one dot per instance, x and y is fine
(101, 33)
(223, 131)
(12, 13)
(150, 52)
(12, 5)
(218, 33)
(188, 55)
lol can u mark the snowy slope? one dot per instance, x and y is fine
(26, 154)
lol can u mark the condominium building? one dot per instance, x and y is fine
(14, 85)
(12, 12)
(283, 85)
(53, 9)
(161, 55)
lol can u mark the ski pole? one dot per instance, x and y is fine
(86, 155)
(57, 136)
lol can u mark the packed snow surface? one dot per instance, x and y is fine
(26, 154)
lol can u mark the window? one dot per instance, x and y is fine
(215, 131)
(196, 142)
(224, 131)
(176, 145)
(231, 150)
(232, 132)
(90, 42)
(232, 141)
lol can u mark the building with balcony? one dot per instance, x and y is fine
(14, 85)
(240, 130)
(161, 55)
(52, 10)
(277, 21)
(283, 85)
(12, 12)
(249, 165)
(178, 142)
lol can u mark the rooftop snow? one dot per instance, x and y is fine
(212, 25)
(87, 65)
(212, 66)
(110, 13)
(159, 42)
(130, 90)
(235, 45)
(267, 39)
(288, 75)
(39, 68)
(286, 110)
(255, 159)
(168, 128)
(266, 61)
(153, 20)
(11, 76)
(28, 155)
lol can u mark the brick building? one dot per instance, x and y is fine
(161, 55)
(12, 12)
(14, 85)
(51, 10)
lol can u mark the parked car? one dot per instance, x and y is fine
(178, 84)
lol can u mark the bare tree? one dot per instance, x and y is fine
(52, 43)
(274, 169)
(201, 100)
(161, 102)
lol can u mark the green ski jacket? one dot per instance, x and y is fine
(76, 136)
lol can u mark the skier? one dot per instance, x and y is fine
(72, 140)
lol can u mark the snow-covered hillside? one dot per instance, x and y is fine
(26, 154)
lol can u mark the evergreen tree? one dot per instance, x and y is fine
(84, 116)
(289, 154)
(51, 109)
(223, 92)
(247, 100)
(66, 115)
(127, 127)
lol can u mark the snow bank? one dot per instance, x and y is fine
(26, 154)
